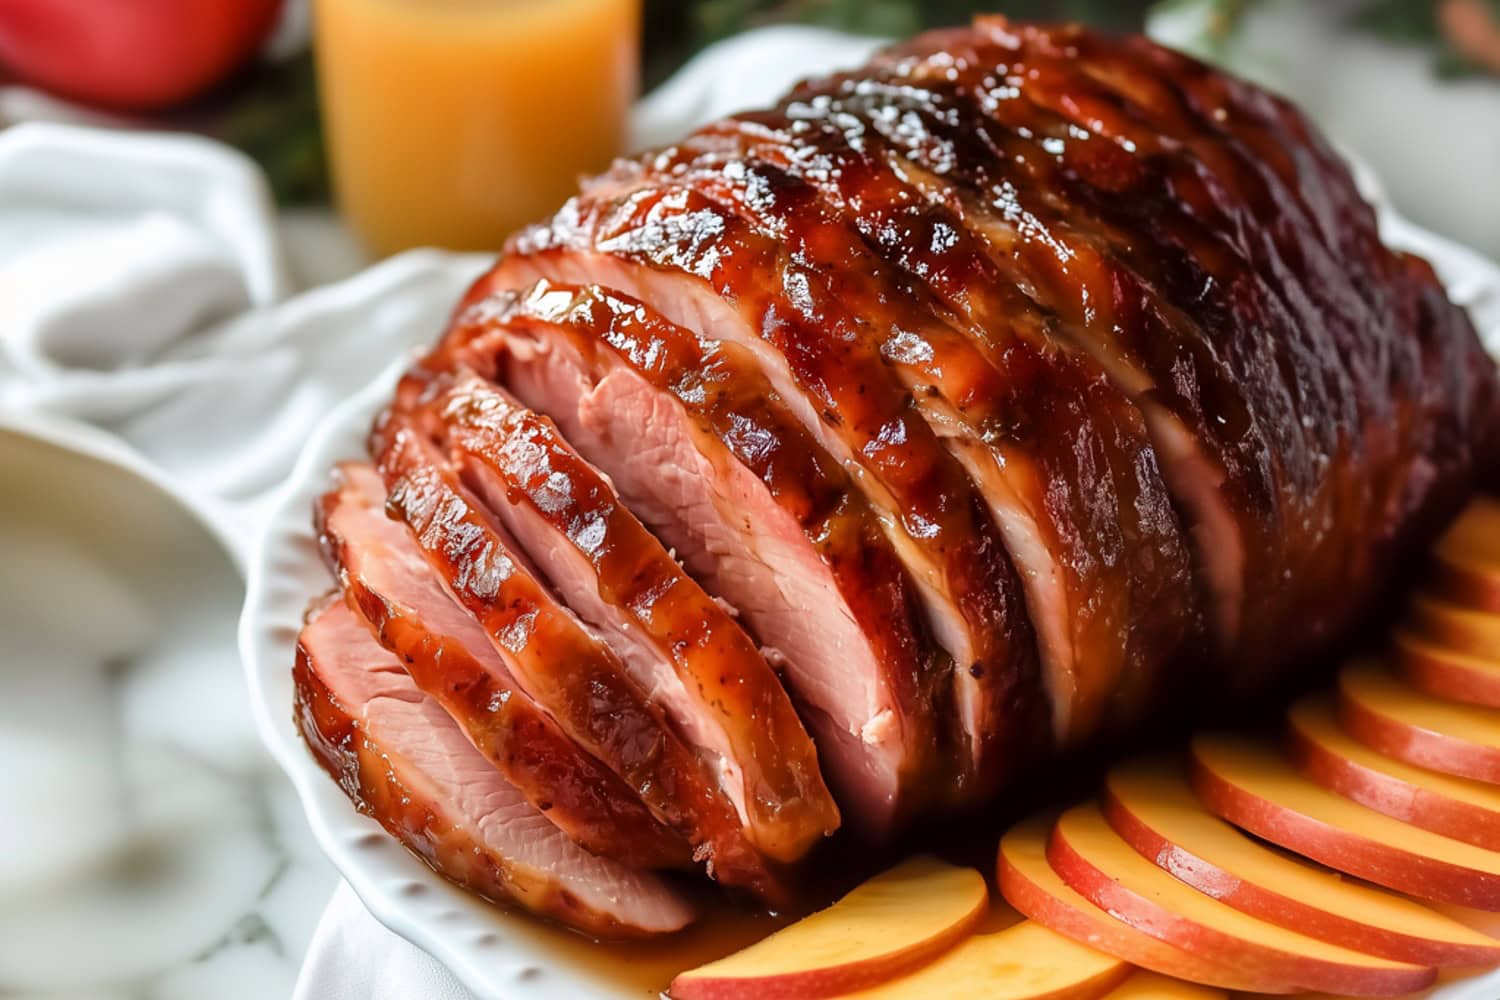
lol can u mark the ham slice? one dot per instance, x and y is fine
(699, 446)
(447, 653)
(682, 648)
(404, 762)
(559, 662)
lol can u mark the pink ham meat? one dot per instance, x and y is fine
(681, 647)
(402, 760)
(825, 362)
(447, 653)
(699, 446)
(565, 667)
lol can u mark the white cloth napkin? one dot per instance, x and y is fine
(144, 288)
(354, 957)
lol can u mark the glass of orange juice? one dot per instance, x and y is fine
(452, 122)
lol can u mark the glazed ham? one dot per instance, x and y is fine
(450, 657)
(405, 763)
(829, 469)
(699, 446)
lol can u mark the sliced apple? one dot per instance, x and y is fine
(1448, 673)
(1483, 921)
(1386, 714)
(1455, 807)
(1025, 962)
(1454, 626)
(1152, 807)
(1108, 872)
(1143, 985)
(1466, 560)
(893, 923)
(1260, 791)
(1029, 884)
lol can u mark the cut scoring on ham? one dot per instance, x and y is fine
(826, 471)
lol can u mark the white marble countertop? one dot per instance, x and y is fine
(150, 849)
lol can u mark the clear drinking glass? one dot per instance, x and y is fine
(452, 122)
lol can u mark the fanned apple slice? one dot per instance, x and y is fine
(893, 923)
(1108, 872)
(1260, 791)
(1386, 714)
(1025, 962)
(1460, 808)
(1454, 626)
(1029, 884)
(1466, 560)
(1483, 921)
(1150, 804)
(1446, 672)
(1143, 985)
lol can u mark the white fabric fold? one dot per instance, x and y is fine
(143, 289)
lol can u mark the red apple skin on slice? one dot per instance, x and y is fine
(885, 927)
(1466, 560)
(1446, 672)
(1386, 714)
(1454, 807)
(1151, 805)
(1257, 790)
(1105, 870)
(1028, 883)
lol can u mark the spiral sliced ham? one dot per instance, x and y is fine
(405, 762)
(972, 405)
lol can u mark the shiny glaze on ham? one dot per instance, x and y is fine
(696, 662)
(449, 656)
(1085, 517)
(775, 528)
(564, 666)
(826, 362)
(1011, 388)
(400, 759)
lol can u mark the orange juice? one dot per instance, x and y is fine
(452, 122)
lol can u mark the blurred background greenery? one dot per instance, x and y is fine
(675, 29)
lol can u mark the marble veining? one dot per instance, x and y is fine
(150, 849)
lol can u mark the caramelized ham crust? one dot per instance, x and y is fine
(564, 666)
(700, 447)
(1085, 516)
(403, 761)
(683, 649)
(702, 266)
(450, 657)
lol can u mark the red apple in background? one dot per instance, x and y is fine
(130, 55)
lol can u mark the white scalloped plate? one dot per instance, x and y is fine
(494, 952)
